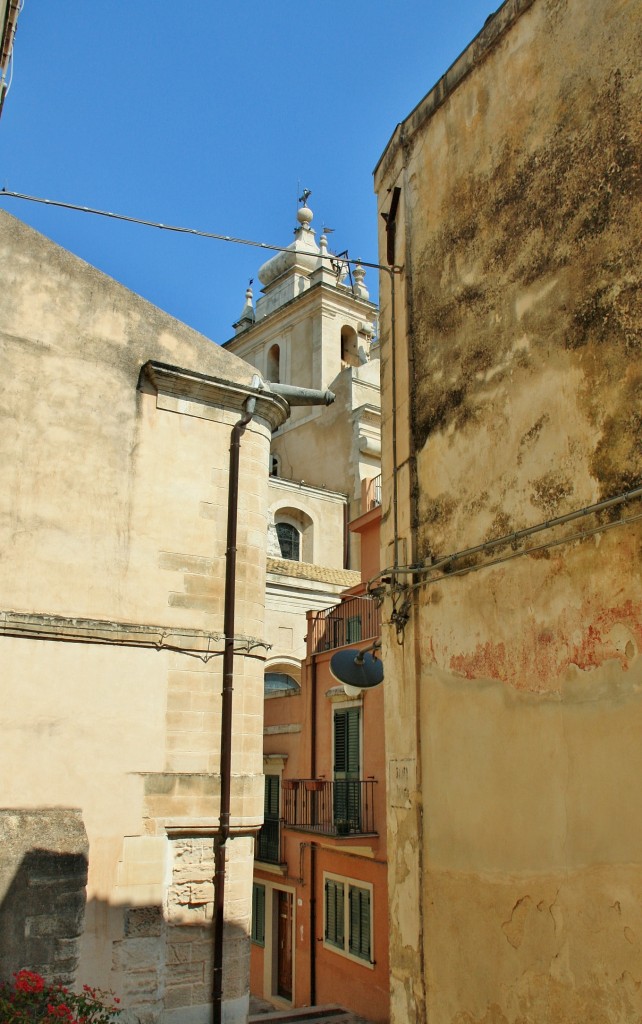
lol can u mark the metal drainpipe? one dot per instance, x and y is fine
(226, 710)
(313, 924)
(313, 848)
(313, 717)
(293, 396)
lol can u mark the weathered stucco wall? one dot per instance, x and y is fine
(517, 693)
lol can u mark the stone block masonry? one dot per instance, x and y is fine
(190, 903)
(43, 873)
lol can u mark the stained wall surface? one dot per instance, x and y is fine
(513, 747)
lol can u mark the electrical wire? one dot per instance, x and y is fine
(197, 232)
(525, 551)
(514, 538)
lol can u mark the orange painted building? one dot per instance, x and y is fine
(320, 903)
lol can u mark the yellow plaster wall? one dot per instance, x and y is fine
(513, 705)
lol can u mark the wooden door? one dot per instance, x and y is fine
(284, 966)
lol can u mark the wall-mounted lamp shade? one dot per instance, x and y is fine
(356, 668)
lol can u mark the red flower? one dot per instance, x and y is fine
(29, 981)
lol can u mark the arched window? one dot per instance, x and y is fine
(273, 368)
(349, 346)
(275, 465)
(282, 681)
(294, 530)
(289, 541)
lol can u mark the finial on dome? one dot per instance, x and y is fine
(304, 214)
(247, 317)
(359, 289)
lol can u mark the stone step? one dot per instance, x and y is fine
(329, 1014)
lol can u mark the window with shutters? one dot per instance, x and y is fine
(348, 917)
(347, 769)
(334, 913)
(359, 921)
(268, 842)
(258, 914)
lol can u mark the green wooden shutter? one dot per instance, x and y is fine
(334, 912)
(258, 914)
(353, 715)
(359, 922)
(271, 804)
(347, 797)
(346, 742)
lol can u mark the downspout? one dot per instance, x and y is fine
(313, 845)
(293, 396)
(226, 710)
(313, 718)
(311, 665)
(313, 924)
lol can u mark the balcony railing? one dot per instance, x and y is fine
(374, 493)
(353, 620)
(342, 807)
(268, 841)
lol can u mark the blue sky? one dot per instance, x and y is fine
(213, 115)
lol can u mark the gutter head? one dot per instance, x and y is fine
(299, 396)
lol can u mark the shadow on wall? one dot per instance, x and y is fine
(159, 961)
(43, 877)
(42, 915)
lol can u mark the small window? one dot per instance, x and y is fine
(289, 541)
(273, 681)
(348, 918)
(274, 364)
(349, 346)
(258, 914)
(294, 533)
(275, 465)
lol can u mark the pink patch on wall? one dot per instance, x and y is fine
(536, 659)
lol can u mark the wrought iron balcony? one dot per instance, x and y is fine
(356, 619)
(268, 842)
(342, 807)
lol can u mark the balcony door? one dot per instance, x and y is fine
(347, 769)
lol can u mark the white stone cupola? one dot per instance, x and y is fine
(313, 320)
(287, 274)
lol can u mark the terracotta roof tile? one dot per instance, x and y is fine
(317, 573)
